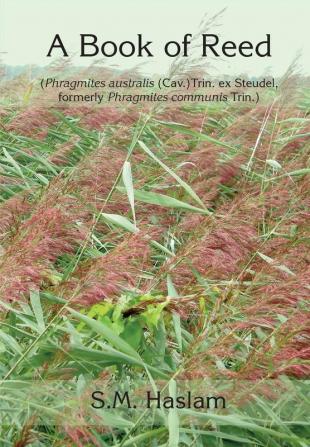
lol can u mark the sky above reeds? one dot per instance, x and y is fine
(27, 29)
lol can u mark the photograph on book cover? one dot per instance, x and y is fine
(154, 223)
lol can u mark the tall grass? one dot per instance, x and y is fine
(161, 251)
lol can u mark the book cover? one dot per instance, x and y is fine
(154, 223)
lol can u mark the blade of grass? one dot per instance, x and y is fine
(166, 201)
(120, 221)
(181, 182)
(173, 419)
(181, 128)
(127, 179)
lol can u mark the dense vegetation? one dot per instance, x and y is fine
(155, 247)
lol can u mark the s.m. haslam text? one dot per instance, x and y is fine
(211, 46)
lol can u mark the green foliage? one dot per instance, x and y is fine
(151, 335)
